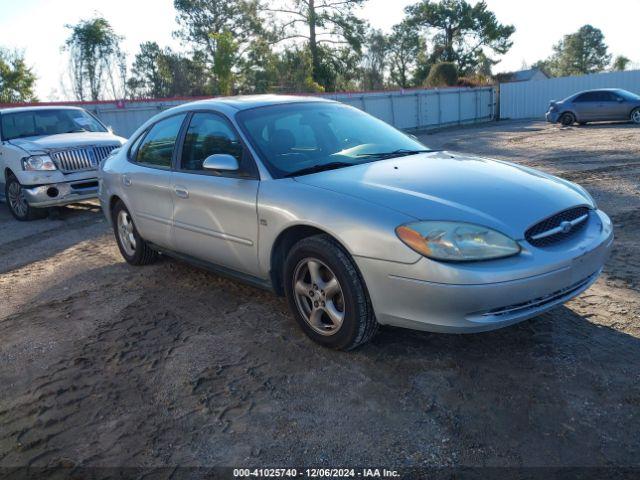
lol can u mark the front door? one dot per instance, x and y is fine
(147, 180)
(618, 107)
(215, 215)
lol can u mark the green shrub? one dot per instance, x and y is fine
(443, 74)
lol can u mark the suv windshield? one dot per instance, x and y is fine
(302, 138)
(34, 123)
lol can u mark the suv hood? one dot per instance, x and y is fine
(446, 186)
(63, 141)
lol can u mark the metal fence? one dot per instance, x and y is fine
(531, 99)
(405, 109)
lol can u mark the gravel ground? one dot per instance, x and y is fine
(104, 364)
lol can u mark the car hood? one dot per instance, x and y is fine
(66, 140)
(449, 186)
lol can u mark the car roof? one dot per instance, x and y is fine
(28, 109)
(245, 102)
(602, 90)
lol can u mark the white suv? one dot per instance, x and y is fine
(49, 157)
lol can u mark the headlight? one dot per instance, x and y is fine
(38, 163)
(456, 241)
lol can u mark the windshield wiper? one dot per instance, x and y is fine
(77, 130)
(396, 153)
(321, 167)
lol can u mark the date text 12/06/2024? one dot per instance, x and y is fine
(315, 473)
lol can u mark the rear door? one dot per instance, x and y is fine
(147, 180)
(215, 213)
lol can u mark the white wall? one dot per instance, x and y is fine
(531, 99)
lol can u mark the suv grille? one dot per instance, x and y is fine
(558, 227)
(79, 159)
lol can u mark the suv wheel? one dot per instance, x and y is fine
(17, 202)
(635, 116)
(132, 247)
(567, 119)
(326, 294)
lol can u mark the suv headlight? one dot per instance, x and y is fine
(456, 241)
(38, 163)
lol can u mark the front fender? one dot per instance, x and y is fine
(363, 229)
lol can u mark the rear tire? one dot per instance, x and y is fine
(635, 116)
(132, 246)
(17, 203)
(327, 295)
(567, 119)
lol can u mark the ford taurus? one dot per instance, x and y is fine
(356, 223)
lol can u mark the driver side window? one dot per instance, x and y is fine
(208, 134)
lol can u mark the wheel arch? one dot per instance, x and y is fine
(286, 239)
(112, 203)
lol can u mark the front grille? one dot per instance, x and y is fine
(80, 159)
(540, 302)
(558, 227)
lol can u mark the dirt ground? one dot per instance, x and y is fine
(105, 364)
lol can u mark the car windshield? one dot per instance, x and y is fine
(628, 95)
(301, 138)
(34, 123)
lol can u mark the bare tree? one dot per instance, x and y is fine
(94, 56)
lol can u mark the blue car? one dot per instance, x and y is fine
(609, 104)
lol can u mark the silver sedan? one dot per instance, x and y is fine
(356, 223)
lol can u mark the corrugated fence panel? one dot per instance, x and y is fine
(531, 99)
(405, 109)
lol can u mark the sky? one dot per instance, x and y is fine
(37, 27)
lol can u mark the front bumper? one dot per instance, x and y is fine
(552, 117)
(63, 193)
(401, 299)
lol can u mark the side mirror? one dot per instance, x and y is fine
(110, 129)
(221, 162)
(620, 99)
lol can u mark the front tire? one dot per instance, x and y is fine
(567, 119)
(17, 202)
(132, 246)
(326, 294)
(635, 116)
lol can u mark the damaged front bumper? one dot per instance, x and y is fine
(64, 193)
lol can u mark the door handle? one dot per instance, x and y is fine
(181, 192)
(126, 181)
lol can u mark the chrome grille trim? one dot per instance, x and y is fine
(81, 159)
(558, 227)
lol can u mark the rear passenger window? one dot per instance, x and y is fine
(156, 149)
(588, 97)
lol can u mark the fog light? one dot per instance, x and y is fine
(52, 192)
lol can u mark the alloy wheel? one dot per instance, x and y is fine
(318, 296)
(17, 201)
(125, 232)
(635, 116)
